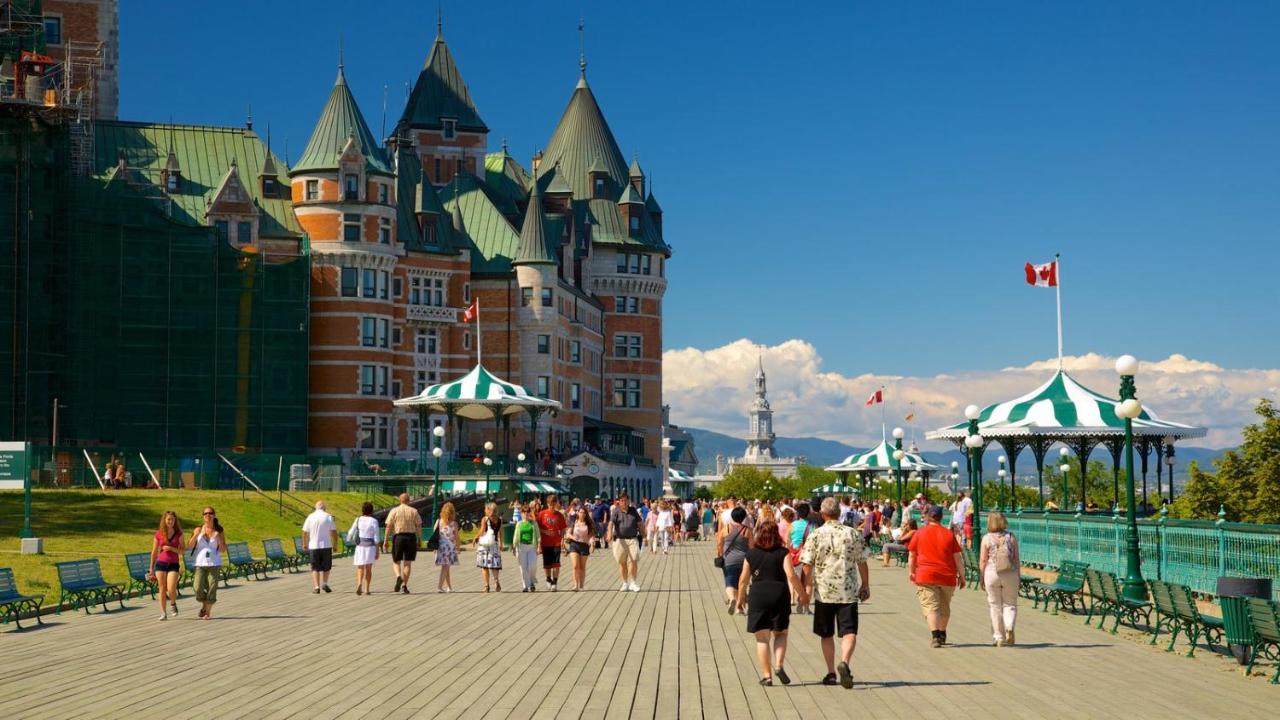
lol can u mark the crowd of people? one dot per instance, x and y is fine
(777, 558)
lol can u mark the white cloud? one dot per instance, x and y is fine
(712, 389)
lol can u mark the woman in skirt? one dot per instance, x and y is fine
(364, 531)
(447, 552)
(489, 546)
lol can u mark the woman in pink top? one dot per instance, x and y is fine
(165, 566)
(578, 542)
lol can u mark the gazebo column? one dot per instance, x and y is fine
(1011, 448)
(506, 441)
(1116, 447)
(1083, 447)
(450, 418)
(1039, 447)
(1144, 448)
(1159, 447)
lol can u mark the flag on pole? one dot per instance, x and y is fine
(1045, 275)
(472, 311)
(910, 416)
(876, 397)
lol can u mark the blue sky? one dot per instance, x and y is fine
(867, 176)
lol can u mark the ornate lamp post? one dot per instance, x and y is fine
(1129, 408)
(896, 464)
(974, 443)
(955, 475)
(488, 466)
(437, 432)
(1000, 476)
(1064, 467)
(1168, 460)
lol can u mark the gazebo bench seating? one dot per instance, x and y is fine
(83, 585)
(13, 603)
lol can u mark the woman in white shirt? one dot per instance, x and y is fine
(208, 546)
(364, 536)
(665, 523)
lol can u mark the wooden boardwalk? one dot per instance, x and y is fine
(277, 651)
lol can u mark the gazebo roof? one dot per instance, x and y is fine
(879, 458)
(678, 475)
(478, 395)
(837, 488)
(1063, 408)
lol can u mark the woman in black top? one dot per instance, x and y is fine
(766, 587)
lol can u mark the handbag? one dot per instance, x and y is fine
(433, 542)
(718, 561)
(353, 535)
(487, 540)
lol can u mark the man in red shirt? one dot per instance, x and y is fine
(552, 524)
(936, 566)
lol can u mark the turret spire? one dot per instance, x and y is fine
(582, 48)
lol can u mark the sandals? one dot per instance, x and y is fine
(782, 676)
(766, 681)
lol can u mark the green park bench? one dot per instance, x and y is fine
(1115, 603)
(188, 576)
(972, 575)
(300, 551)
(139, 565)
(1264, 616)
(14, 603)
(276, 556)
(242, 563)
(83, 585)
(1177, 612)
(1063, 590)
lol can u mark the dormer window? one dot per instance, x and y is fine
(597, 186)
(171, 182)
(351, 186)
(269, 186)
(427, 224)
(450, 128)
(635, 224)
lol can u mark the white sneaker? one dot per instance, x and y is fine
(635, 586)
(164, 617)
(625, 587)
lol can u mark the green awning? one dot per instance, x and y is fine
(541, 486)
(470, 486)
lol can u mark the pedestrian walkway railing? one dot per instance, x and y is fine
(1194, 553)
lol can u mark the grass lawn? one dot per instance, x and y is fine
(78, 524)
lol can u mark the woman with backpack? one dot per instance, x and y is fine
(1000, 569)
(731, 552)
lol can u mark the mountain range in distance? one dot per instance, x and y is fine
(817, 451)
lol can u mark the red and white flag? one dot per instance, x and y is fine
(876, 398)
(1045, 275)
(472, 311)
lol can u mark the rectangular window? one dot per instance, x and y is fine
(350, 282)
(598, 187)
(420, 381)
(526, 296)
(450, 128)
(626, 392)
(366, 379)
(415, 291)
(384, 193)
(466, 293)
(634, 262)
(544, 386)
(222, 229)
(648, 265)
(313, 190)
(547, 297)
(619, 304)
(370, 278)
(384, 386)
(244, 232)
(368, 332)
(544, 344)
(53, 30)
(374, 433)
(397, 288)
(635, 224)
(633, 305)
(438, 295)
(351, 185)
(575, 396)
(622, 263)
(351, 227)
(384, 231)
(384, 279)
(466, 340)
(436, 175)
(384, 332)
(395, 337)
(575, 351)
(268, 187)
(395, 388)
(425, 343)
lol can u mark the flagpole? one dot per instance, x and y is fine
(883, 437)
(478, 345)
(1057, 269)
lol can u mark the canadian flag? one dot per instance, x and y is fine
(472, 311)
(1045, 275)
(876, 397)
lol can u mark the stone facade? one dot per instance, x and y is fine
(760, 438)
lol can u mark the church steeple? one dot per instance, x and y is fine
(760, 435)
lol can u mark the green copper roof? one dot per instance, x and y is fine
(506, 180)
(339, 121)
(557, 185)
(651, 204)
(441, 92)
(412, 194)
(492, 239)
(582, 137)
(533, 235)
(597, 166)
(630, 197)
(204, 155)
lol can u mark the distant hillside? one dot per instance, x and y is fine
(828, 452)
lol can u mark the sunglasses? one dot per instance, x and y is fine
(210, 513)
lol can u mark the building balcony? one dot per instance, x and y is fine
(431, 314)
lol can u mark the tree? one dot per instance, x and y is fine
(1246, 482)
(703, 492)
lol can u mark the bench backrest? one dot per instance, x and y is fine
(139, 565)
(1184, 605)
(1110, 586)
(1264, 615)
(298, 547)
(238, 552)
(8, 587)
(79, 573)
(1097, 587)
(1072, 573)
(274, 548)
(1163, 597)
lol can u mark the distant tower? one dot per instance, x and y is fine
(760, 435)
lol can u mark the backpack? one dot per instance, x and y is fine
(1002, 552)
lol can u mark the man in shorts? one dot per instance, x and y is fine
(834, 562)
(624, 533)
(320, 534)
(551, 526)
(403, 533)
(936, 566)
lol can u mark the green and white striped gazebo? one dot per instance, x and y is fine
(880, 459)
(834, 489)
(1064, 411)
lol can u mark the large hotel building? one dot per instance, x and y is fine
(565, 256)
